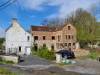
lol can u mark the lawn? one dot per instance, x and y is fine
(4, 71)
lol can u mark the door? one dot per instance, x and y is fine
(19, 48)
(28, 51)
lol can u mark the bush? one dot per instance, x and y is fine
(94, 54)
(45, 53)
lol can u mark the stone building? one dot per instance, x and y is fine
(54, 38)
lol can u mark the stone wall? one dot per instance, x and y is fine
(62, 33)
(80, 53)
(10, 58)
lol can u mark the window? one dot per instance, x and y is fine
(66, 37)
(72, 36)
(44, 38)
(69, 44)
(65, 44)
(69, 27)
(53, 37)
(28, 38)
(35, 47)
(44, 45)
(69, 37)
(52, 47)
(59, 37)
(19, 48)
(73, 44)
(35, 37)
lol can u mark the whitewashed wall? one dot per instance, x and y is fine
(16, 36)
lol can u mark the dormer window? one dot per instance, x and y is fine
(69, 27)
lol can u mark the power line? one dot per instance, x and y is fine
(6, 4)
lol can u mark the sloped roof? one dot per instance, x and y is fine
(42, 28)
(48, 28)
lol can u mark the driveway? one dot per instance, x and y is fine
(34, 60)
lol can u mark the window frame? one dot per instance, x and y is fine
(53, 37)
(36, 38)
(69, 27)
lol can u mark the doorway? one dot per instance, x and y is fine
(19, 48)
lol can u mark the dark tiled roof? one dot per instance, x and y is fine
(42, 28)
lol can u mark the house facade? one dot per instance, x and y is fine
(54, 38)
(18, 41)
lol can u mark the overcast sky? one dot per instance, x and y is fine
(33, 12)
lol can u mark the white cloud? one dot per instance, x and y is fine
(68, 6)
(64, 6)
(32, 4)
(2, 32)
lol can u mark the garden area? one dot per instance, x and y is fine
(44, 52)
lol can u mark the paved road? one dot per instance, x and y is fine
(49, 71)
(34, 60)
(85, 66)
(37, 66)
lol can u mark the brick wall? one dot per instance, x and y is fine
(60, 37)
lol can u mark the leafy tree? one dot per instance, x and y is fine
(85, 24)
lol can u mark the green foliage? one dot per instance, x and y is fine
(94, 54)
(1, 42)
(85, 24)
(45, 53)
(4, 71)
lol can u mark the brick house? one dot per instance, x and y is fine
(54, 38)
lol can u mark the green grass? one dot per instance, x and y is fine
(4, 71)
(94, 54)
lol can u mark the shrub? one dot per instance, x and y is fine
(45, 53)
(0, 58)
(9, 62)
(94, 54)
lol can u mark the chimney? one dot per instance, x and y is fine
(14, 21)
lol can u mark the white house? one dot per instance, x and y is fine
(17, 39)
